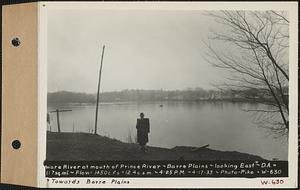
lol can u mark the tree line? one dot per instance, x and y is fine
(138, 95)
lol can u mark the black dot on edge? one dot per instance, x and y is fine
(15, 42)
(16, 144)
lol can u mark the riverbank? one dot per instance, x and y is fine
(139, 95)
(84, 146)
(162, 102)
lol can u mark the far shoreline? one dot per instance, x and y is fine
(150, 102)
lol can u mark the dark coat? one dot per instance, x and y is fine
(143, 128)
(48, 118)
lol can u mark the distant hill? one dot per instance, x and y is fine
(63, 97)
(138, 95)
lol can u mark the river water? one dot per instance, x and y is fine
(222, 125)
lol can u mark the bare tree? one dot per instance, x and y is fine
(253, 46)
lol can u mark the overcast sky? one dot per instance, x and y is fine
(144, 50)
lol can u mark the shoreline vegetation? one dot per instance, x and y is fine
(85, 147)
(191, 94)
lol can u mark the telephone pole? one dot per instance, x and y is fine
(98, 92)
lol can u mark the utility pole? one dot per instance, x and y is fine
(57, 117)
(99, 81)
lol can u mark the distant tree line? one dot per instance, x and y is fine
(135, 95)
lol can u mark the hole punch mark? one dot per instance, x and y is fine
(16, 42)
(16, 144)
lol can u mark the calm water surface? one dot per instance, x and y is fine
(223, 125)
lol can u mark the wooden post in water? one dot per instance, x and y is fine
(57, 117)
(99, 81)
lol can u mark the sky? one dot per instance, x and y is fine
(144, 50)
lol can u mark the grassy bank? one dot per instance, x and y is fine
(83, 146)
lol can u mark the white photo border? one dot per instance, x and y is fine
(186, 182)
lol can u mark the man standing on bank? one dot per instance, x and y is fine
(143, 128)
